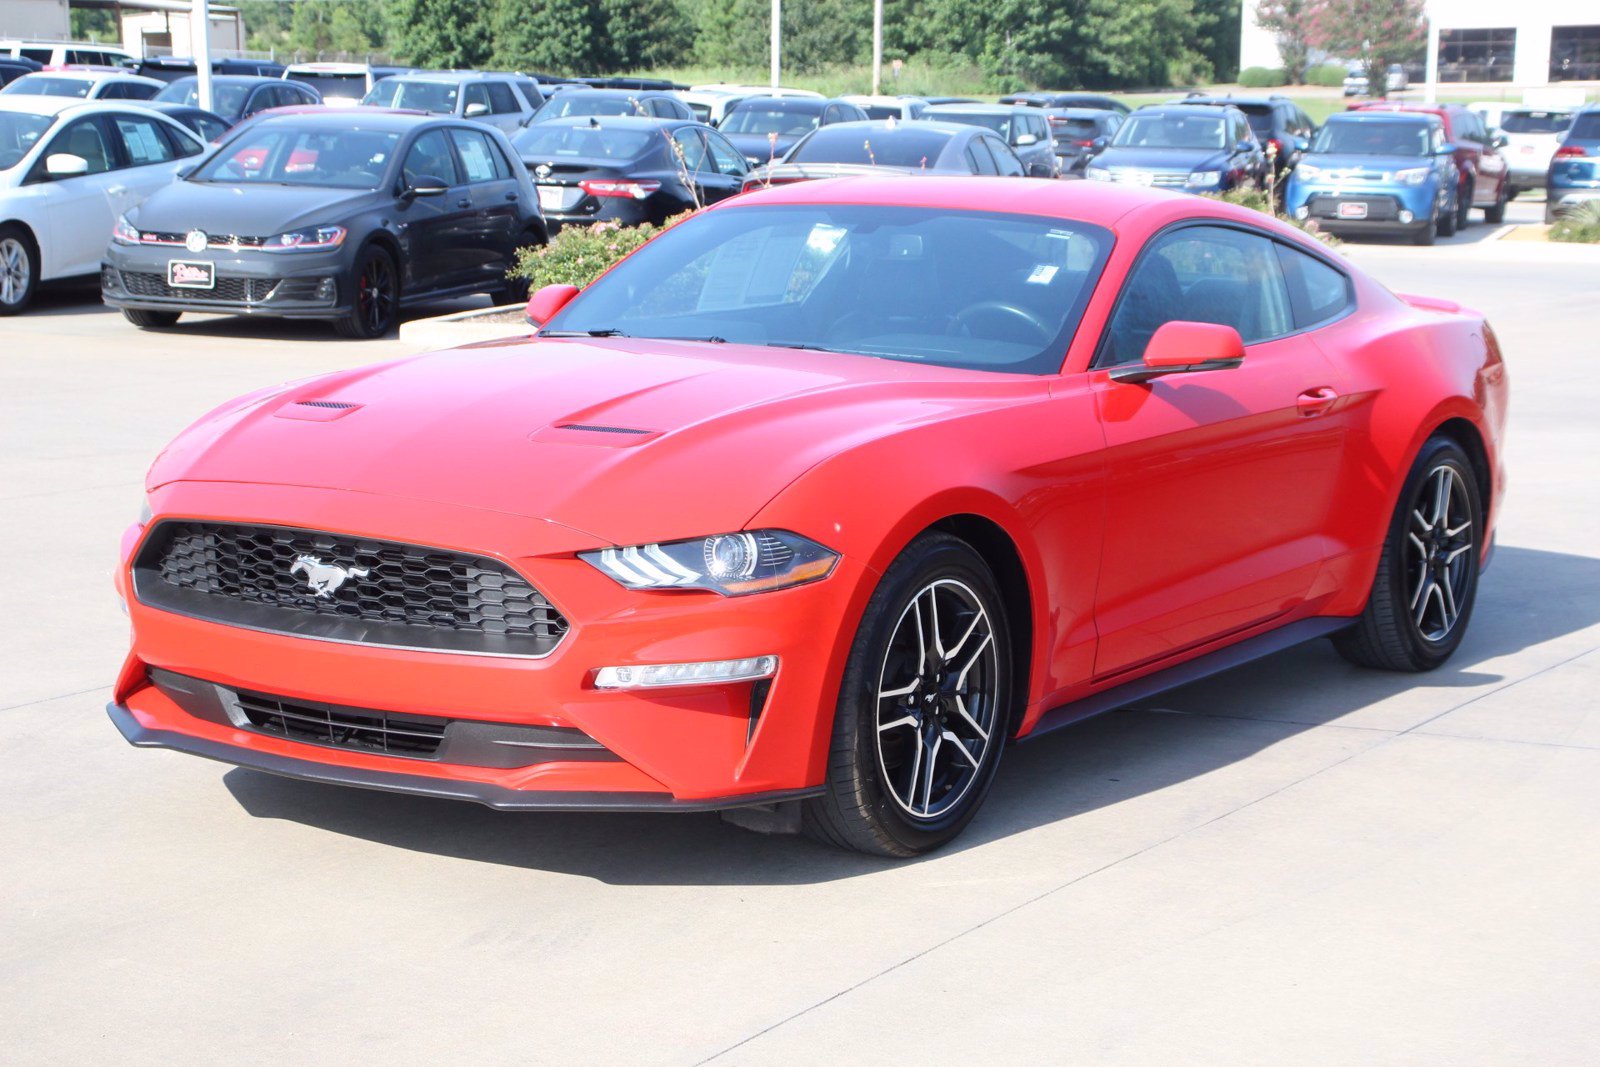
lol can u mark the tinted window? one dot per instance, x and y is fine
(918, 284)
(45, 85)
(577, 102)
(1535, 121)
(1316, 291)
(502, 101)
(84, 138)
(477, 93)
(142, 140)
(767, 118)
(208, 128)
(430, 157)
(345, 86)
(556, 142)
(690, 152)
(1172, 131)
(531, 93)
(1200, 274)
(1586, 127)
(1006, 163)
(479, 157)
(906, 146)
(279, 153)
(980, 158)
(724, 156)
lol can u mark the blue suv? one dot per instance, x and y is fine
(1196, 148)
(1378, 172)
(1575, 170)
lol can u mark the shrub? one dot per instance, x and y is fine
(1327, 74)
(1263, 77)
(577, 255)
(1262, 200)
(1579, 225)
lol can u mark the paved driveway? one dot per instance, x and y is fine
(1295, 861)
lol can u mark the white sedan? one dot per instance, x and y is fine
(86, 85)
(68, 170)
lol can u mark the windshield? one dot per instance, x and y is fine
(278, 154)
(1172, 131)
(767, 118)
(904, 147)
(226, 98)
(19, 132)
(970, 289)
(547, 141)
(1000, 124)
(338, 86)
(1373, 139)
(581, 103)
(45, 85)
(1535, 121)
(436, 97)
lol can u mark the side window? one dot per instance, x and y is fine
(142, 141)
(979, 157)
(831, 114)
(475, 94)
(480, 158)
(502, 101)
(111, 91)
(725, 157)
(687, 143)
(83, 138)
(531, 93)
(1006, 162)
(1317, 292)
(430, 157)
(1200, 274)
(183, 147)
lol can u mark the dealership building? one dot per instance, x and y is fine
(1532, 43)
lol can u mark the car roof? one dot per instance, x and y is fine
(619, 94)
(981, 109)
(616, 122)
(1236, 101)
(866, 98)
(1382, 116)
(1096, 113)
(96, 76)
(369, 118)
(786, 103)
(449, 76)
(1218, 110)
(891, 127)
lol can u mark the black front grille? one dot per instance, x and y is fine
(342, 588)
(1379, 208)
(226, 291)
(371, 731)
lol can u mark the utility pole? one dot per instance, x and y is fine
(1430, 91)
(777, 38)
(200, 46)
(877, 47)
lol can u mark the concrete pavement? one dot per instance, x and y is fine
(1297, 860)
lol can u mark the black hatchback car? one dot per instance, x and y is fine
(627, 169)
(235, 97)
(1079, 133)
(349, 217)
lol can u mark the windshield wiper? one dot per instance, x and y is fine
(801, 345)
(583, 333)
(703, 340)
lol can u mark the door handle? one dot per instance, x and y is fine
(1316, 401)
(464, 202)
(511, 197)
(116, 190)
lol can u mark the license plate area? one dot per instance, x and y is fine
(187, 274)
(1353, 210)
(559, 197)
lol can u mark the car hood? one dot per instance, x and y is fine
(757, 145)
(1366, 165)
(625, 440)
(248, 210)
(1185, 159)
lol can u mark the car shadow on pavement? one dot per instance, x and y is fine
(1528, 597)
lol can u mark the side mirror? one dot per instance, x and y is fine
(425, 185)
(1184, 348)
(1246, 146)
(476, 111)
(1446, 149)
(544, 303)
(1099, 144)
(1302, 144)
(65, 165)
(1025, 139)
(1499, 140)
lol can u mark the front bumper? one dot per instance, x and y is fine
(1386, 205)
(712, 745)
(294, 285)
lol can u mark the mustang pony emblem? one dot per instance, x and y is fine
(325, 578)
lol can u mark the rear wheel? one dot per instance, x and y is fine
(150, 320)
(376, 297)
(1427, 578)
(1496, 213)
(19, 270)
(1446, 225)
(924, 708)
(1463, 203)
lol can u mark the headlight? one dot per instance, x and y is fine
(311, 239)
(1205, 177)
(1099, 174)
(731, 564)
(1306, 170)
(125, 232)
(1414, 176)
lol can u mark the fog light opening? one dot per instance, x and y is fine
(1406, 216)
(1302, 212)
(666, 675)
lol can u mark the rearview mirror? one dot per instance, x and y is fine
(545, 302)
(65, 165)
(475, 111)
(425, 185)
(1184, 348)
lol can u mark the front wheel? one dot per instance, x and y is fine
(924, 708)
(19, 270)
(150, 320)
(375, 304)
(1446, 225)
(1427, 578)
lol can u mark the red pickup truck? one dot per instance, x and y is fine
(1485, 175)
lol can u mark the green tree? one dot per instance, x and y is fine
(1125, 45)
(732, 32)
(442, 33)
(1377, 32)
(646, 34)
(555, 36)
(1217, 25)
(1289, 22)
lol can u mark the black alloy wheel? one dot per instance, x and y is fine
(375, 286)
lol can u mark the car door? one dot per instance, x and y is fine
(150, 153)
(505, 111)
(82, 208)
(731, 168)
(436, 232)
(496, 196)
(1492, 166)
(1220, 484)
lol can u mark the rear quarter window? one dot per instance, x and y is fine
(1317, 292)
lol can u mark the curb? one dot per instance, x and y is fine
(458, 328)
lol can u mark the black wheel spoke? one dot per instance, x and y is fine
(1438, 550)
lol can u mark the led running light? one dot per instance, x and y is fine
(666, 675)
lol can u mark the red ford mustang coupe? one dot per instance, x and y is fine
(812, 504)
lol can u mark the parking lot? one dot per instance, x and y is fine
(1295, 860)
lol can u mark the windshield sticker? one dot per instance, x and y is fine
(1043, 274)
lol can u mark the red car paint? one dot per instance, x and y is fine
(1152, 523)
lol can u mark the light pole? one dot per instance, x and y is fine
(200, 45)
(877, 47)
(1430, 90)
(777, 38)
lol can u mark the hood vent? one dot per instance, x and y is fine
(588, 428)
(337, 405)
(316, 410)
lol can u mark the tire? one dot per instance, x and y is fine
(1446, 224)
(375, 296)
(894, 755)
(515, 291)
(1512, 193)
(1496, 214)
(151, 320)
(1407, 624)
(19, 270)
(1427, 233)
(1464, 204)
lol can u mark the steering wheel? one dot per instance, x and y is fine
(1001, 312)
